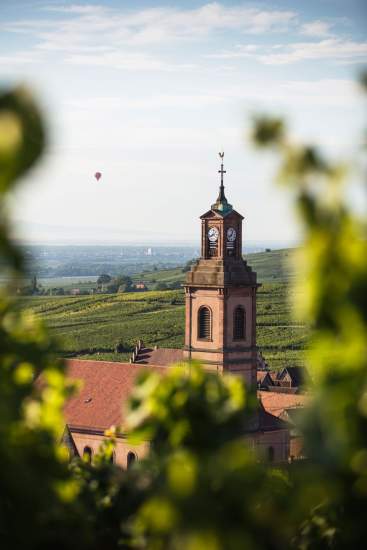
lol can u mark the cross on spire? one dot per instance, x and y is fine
(221, 171)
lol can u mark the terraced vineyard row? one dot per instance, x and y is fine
(91, 326)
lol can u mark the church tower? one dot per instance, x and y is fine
(220, 292)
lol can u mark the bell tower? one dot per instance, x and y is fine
(220, 294)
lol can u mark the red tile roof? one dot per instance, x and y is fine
(276, 403)
(160, 356)
(105, 389)
(269, 422)
(107, 385)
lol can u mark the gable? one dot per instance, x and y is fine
(214, 214)
(295, 375)
(211, 214)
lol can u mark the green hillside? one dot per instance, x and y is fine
(168, 276)
(273, 266)
(91, 326)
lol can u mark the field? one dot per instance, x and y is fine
(270, 266)
(91, 326)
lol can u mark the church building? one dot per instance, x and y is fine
(220, 333)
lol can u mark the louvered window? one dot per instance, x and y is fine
(204, 323)
(239, 324)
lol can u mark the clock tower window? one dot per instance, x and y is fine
(239, 323)
(204, 323)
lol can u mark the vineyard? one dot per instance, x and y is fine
(92, 326)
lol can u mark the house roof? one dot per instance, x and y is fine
(296, 374)
(105, 389)
(282, 389)
(264, 376)
(260, 375)
(106, 386)
(160, 356)
(276, 403)
(269, 422)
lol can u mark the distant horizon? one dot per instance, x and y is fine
(107, 236)
(276, 244)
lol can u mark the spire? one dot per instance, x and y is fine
(221, 204)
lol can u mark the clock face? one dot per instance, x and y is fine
(213, 234)
(231, 234)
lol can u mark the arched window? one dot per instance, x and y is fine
(87, 454)
(130, 459)
(204, 323)
(270, 454)
(239, 323)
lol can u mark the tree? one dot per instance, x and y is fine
(59, 291)
(34, 285)
(120, 347)
(125, 283)
(103, 279)
(112, 287)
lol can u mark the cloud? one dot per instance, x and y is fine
(75, 8)
(158, 101)
(135, 39)
(328, 91)
(127, 61)
(331, 92)
(316, 29)
(335, 49)
(332, 48)
(88, 25)
(240, 50)
(19, 58)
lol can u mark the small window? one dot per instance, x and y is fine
(270, 454)
(130, 459)
(87, 454)
(239, 323)
(204, 324)
(113, 457)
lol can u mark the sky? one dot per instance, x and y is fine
(148, 93)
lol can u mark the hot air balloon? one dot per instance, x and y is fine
(98, 175)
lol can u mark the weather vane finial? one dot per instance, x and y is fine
(221, 204)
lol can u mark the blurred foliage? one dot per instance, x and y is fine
(200, 486)
(208, 489)
(22, 138)
(332, 296)
(36, 489)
